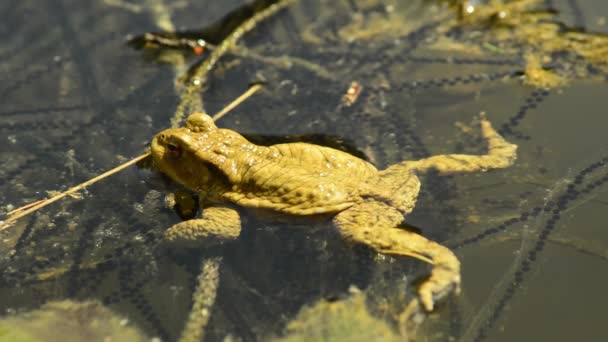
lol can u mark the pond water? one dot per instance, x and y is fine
(532, 238)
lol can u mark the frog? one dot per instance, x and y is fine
(366, 205)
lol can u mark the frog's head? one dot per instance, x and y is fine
(174, 152)
(200, 123)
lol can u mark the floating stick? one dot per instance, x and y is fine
(30, 208)
(255, 87)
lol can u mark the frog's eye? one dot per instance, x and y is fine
(174, 150)
(199, 122)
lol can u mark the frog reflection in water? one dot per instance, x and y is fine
(299, 179)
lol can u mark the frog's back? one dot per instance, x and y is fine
(324, 159)
(302, 179)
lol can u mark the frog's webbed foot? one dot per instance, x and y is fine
(218, 224)
(501, 154)
(374, 224)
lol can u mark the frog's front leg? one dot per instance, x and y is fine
(501, 154)
(217, 224)
(375, 224)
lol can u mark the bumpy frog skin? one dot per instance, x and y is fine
(302, 179)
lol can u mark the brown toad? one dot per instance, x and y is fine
(303, 179)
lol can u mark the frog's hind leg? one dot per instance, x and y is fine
(501, 154)
(374, 224)
(218, 224)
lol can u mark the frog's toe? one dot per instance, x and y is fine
(442, 283)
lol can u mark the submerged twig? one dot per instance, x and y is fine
(203, 299)
(197, 77)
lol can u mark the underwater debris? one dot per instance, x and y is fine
(539, 77)
(351, 95)
(69, 321)
(342, 320)
(528, 28)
